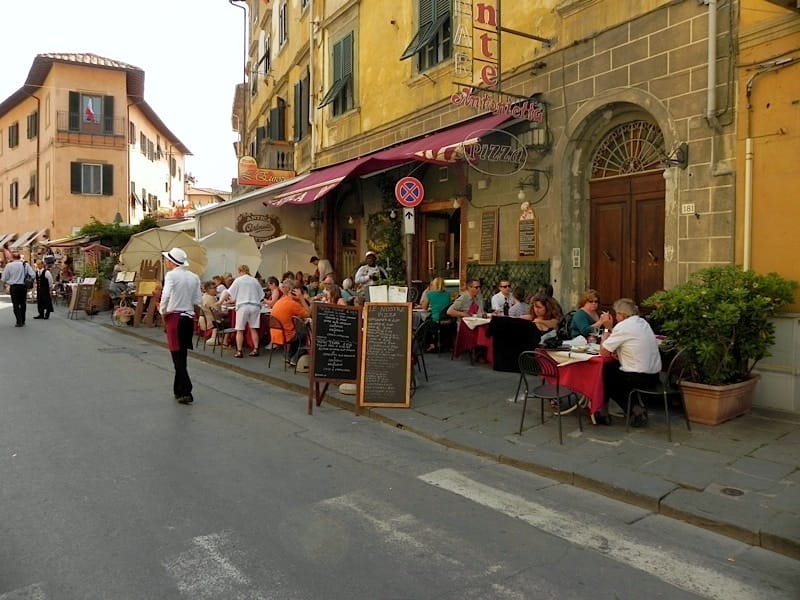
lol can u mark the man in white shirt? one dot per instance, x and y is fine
(503, 298)
(323, 267)
(371, 272)
(180, 296)
(14, 277)
(633, 343)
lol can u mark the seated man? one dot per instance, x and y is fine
(502, 301)
(634, 345)
(470, 303)
(292, 304)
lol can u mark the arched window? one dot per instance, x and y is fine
(633, 147)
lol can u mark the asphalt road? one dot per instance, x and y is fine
(110, 489)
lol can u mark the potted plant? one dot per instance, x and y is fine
(721, 318)
(123, 313)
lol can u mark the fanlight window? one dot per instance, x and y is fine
(630, 148)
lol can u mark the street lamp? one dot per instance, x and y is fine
(238, 3)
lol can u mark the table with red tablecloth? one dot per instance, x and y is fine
(468, 339)
(584, 376)
(263, 327)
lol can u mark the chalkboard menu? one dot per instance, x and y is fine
(335, 336)
(334, 355)
(81, 299)
(488, 254)
(386, 356)
(528, 237)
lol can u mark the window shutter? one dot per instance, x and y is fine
(347, 55)
(297, 112)
(74, 111)
(426, 14)
(108, 180)
(441, 8)
(281, 119)
(108, 114)
(305, 104)
(75, 177)
(273, 124)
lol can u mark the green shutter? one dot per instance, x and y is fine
(75, 177)
(74, 111)
(108, 114)
(108, 180)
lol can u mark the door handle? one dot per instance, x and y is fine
(608, 256)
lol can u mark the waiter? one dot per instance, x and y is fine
(180, 296)
(14, 277)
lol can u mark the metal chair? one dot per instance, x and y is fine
(303, 334)
(203, 334)
(537, 364)
(274, 323)
(223, 330)
(445, 324)
(667, 386)
(418, 346)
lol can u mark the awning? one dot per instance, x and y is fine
(6, 237)
(443, 147)
(22, 240)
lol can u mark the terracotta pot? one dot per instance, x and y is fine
(715, 404)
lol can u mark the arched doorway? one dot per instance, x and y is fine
(626, 218)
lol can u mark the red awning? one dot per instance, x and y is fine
(443, 147)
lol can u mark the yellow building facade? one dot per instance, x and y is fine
(80, 142)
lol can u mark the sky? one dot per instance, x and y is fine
(190, 50)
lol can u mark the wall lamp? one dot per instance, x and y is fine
(533, 181)
(678, 157)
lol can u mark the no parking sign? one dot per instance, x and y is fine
(409, 192)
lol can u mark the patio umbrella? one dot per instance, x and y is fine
(285, 253)
(226, 249)
(148, 246)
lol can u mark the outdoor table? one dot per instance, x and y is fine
(262, 327)
(471, 334)
(583, 373)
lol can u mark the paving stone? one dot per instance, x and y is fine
(762, 468)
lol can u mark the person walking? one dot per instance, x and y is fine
(14, 277)
(44, 283)
(179, 298)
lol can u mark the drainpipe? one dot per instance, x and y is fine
(245, 91)
(711, 96)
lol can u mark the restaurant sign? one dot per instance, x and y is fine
(250, 174)
(260, 227)
(497, 152)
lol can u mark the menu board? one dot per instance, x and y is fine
(528, 238)
(334, 351)
(81, 299)
(488, 253)
(386, 357)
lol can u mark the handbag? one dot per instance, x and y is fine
(28, 278)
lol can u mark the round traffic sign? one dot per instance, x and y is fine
(409, 192)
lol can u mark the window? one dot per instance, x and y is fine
(132, 134)
(91, 179)
(340, 94)
(277, 121)
(91, 113)
(151, 150)
(48, 183)
(173, 166)
(13, 135)
(264, 63)
(283, 24)
(432, 43)
(143, 143)
(33, 125)
(1, 143)
(303, 4)
(13, 194)
(302, 110)
(32, 194)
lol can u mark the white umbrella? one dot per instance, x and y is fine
(148, 246)
(286, 253)
(226, 249)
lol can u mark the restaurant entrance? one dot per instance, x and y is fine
(626, 248)
(438, 247)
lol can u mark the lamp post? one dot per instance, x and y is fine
(243, 131)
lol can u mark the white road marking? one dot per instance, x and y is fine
(29, 592)
(659, 562)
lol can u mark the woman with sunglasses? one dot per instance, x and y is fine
(586, 318)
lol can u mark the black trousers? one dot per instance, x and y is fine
(19, 297)
(182, 385)
(619, 383)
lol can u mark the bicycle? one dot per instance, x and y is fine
(119, 315)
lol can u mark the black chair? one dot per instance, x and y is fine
(510, 337)
(303, 334)
(274, 323)
(418, 346)
(669, 385)
(223, 329)
(446, 325)
(537, 364)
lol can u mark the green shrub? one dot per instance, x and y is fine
(721, 317)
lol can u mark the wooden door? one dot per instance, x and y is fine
(627, 237)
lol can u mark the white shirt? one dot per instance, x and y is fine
(324, 267)
(181, 291)
(635, 345)
(245, 289)
(498, 300)
(365, 273)
(14, 272)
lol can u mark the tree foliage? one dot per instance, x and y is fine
(115, 235)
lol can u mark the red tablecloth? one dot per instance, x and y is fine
(586, 377)
(468, 339)
(263, 327)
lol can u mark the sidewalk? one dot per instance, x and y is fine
(740, 479)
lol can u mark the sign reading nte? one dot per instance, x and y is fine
(476, 43)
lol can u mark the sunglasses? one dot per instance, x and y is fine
(475, 287)
(505, 286)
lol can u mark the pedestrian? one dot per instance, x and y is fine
(180, 298)
(44, 283)
(14, 277)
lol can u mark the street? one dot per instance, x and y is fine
(110, 489)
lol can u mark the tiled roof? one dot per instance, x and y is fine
(88, 58)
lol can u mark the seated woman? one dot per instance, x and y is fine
(435, 299)
(273, 293)
(333, 295)
(586, 318)
(205, 320)
(348, 293)
(520, 308)
(544, 313)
